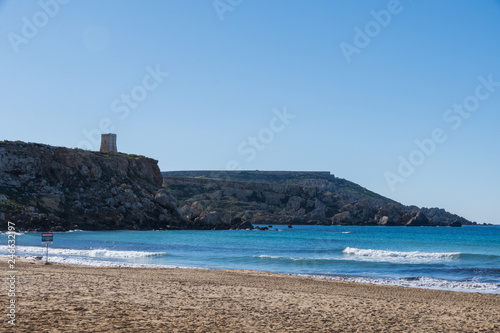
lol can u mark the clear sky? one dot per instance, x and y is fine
(401, 97)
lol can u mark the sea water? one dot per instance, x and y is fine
(462, 259)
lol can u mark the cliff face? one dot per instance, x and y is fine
(292, 198)
(46, 188)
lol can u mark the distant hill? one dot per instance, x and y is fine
(288, 197)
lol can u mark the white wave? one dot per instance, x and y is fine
(26, 250)
(267, 256)
(428, 283)
(397, 256)
(289, 258)
(279, 257)
(101, 263)
(347, 232)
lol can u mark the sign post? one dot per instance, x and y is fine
(47, 239)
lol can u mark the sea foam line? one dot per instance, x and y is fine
(426, 283)
(385, 255)
(289, 258)
(87, 253)
(100, 263)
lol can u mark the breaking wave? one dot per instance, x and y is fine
(427, 283)
(397, 256)
(98, 253)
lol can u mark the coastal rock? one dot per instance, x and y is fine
(187, 212)
(213, 221)
(441, 216)
(164, 199)
(210, 218)
(319, 210)
(197, 208)
(386, 221)
(295, 202)
(343, 218)
(261, 228)
(420, 220)
(242, 225)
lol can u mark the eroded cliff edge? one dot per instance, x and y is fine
(45, 188)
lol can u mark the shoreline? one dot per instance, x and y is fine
(414, 283)
(72, 297)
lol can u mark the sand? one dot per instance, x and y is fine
(64, 298)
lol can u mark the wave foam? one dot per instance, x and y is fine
(26, 250)
(428, 283)
(392, 256)
(98, 263)
(288, 258)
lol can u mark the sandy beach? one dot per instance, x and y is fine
(64, 298)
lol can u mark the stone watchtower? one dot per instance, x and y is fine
(108, 143)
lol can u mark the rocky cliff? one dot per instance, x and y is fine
(46, 188)
(255, 197)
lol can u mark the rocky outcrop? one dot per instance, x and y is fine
(436, 215)
(45, 188)
(386, 221)
(420, 220)
(293, 198)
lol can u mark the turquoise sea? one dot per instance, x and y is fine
(464, 259)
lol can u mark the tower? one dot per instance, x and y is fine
(108, 143)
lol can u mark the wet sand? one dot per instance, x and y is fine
(65, 298)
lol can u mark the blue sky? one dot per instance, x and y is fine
(340, 86)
